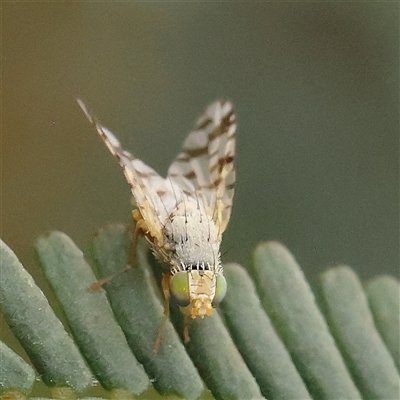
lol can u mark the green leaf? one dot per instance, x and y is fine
(383, 295)
(30, 317)
(289, 302)
(89, 315)
(268, 339)
(257, 340)
(218, 360)
(15, 373)
(352, 324)
(139, 311)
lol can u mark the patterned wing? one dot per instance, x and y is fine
(205, 165)
(154, 196)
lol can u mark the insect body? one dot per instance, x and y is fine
(184, 215)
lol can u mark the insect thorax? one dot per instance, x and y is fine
(191, 239)
(191, 248)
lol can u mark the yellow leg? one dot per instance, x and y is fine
(132, 249)
(165, 288)
(131, 261)
(186, 337)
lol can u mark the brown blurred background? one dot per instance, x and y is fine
(316, 90)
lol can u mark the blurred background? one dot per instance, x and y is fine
(316, 91)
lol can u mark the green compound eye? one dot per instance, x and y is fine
(220, 290)
(179, 286)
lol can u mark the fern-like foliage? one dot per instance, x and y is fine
(270, 339)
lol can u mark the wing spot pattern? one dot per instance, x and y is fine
(204, 170)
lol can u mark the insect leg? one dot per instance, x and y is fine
(132, 249)
(186, 337)
(97, 285)
(165, 288)
(131, 261)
